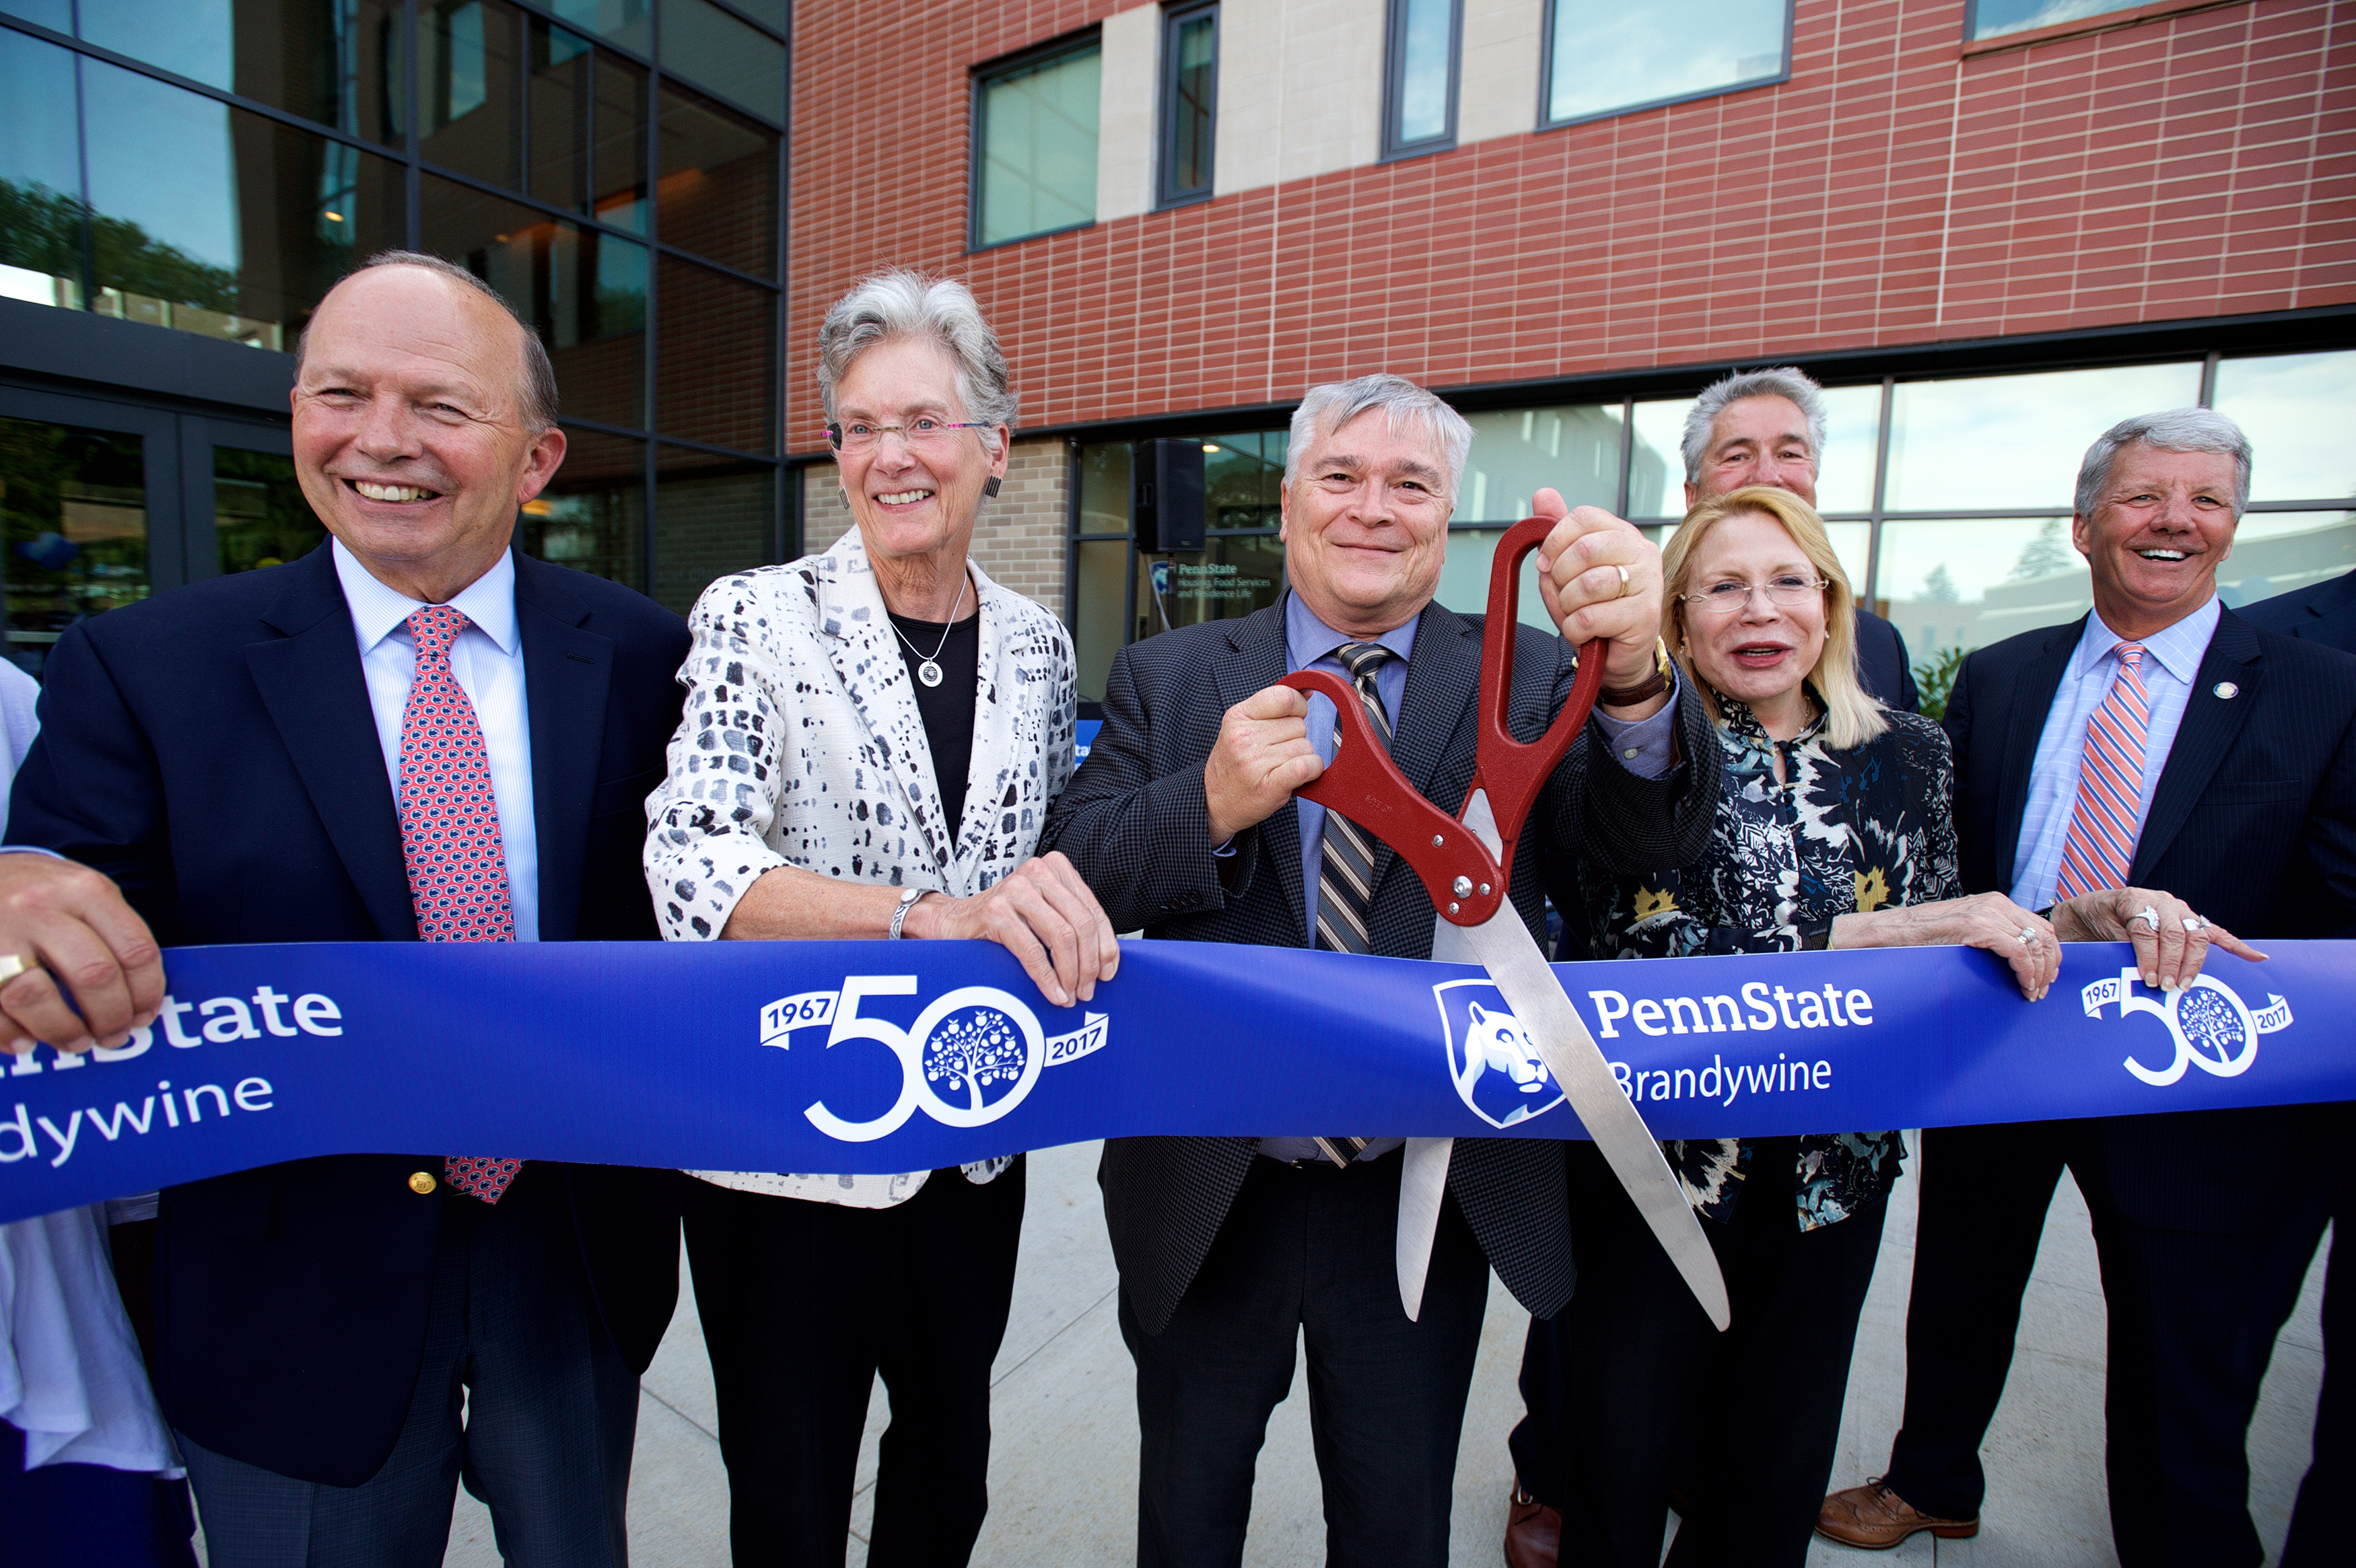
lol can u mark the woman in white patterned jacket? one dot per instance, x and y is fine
(871, 741)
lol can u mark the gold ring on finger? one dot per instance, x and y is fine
(1623, 580)
(14, 963)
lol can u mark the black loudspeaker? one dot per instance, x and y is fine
(1165, 496)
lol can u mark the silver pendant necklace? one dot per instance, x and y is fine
(930, 670)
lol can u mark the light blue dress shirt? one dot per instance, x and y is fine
(2171, 662)
(487, 660)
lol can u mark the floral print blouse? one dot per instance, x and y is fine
(1847, 831)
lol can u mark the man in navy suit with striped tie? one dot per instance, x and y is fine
(2166, 749)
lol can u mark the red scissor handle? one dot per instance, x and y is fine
(1466, 883)
(1510, 770)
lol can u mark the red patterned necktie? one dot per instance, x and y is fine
(450, 833)
(2100, 848)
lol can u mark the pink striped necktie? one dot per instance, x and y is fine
(450, 832)
(2100, 849)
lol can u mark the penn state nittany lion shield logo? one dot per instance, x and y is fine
(1497, 1072)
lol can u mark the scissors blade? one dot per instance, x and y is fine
(1502, 945)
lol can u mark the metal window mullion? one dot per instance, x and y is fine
(1880, 490)
(651, 411)
(1627, 454)
(410, 141)
(786, 548)
(82, 166)
(2209, 379)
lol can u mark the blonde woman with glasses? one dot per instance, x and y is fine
(1834, 831)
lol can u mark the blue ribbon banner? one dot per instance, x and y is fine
(871, 1056)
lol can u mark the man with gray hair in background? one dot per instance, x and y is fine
(1184, 823)
(2164, 746)
(1767, 426)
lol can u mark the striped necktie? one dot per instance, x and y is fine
(2100, 849)
(1345, 877)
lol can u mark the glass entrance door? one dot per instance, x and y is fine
(89, 514)
(103, 504)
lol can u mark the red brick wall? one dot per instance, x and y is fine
(1892, 192)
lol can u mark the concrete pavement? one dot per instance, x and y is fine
(1063, 1467)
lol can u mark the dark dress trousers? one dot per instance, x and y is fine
(2205, 1222)
(213, 750)
(2326, 613)
(1134, 823)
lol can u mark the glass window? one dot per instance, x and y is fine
(1994, 18)
(214, 221)
(1656, 468)
(260, 517)
(2274, 552)
(2015, 441)
(1036, 165)
(1243, 480)
(718, 191)
(1464, 577)
(712, 48)
(1104, 487)
(1518, 452)
(623, 21)
(584, 292)
(716, 370)
(559, 100)
(73, 521)
(1966, 584)
(771, 12)
(1190, 81)
(1238, 574)
(1603, 58)
(592, 516)
(2296, 410)
(719, 515)
(467, 55)
(334, 61)
(1419, 91)
(40, 174)
(57, 13)
(618, 153)
(1100, 567)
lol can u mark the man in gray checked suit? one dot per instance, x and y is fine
(1183, 823)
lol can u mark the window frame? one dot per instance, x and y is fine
(1546, 76)
(1393, 81)
(981, 76)
(1165, 193)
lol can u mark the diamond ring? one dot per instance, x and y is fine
(2194, 923)
(2149, 916)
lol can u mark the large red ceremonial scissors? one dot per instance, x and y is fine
(1466, 864)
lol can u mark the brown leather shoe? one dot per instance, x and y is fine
(1875, 1517)
(1533, 1531)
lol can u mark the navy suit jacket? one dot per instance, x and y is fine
(1881, 666)
(2253, 824)
(213, 750)
(2321, 613)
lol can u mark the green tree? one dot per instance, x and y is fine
(1934, 680)
(40, 229)
(1939, 586)
(2045, 555)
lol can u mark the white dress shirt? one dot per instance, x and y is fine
(487, 660)
(2171, 662)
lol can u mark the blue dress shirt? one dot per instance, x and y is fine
(2171, 662)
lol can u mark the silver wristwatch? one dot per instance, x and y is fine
(908, 897)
